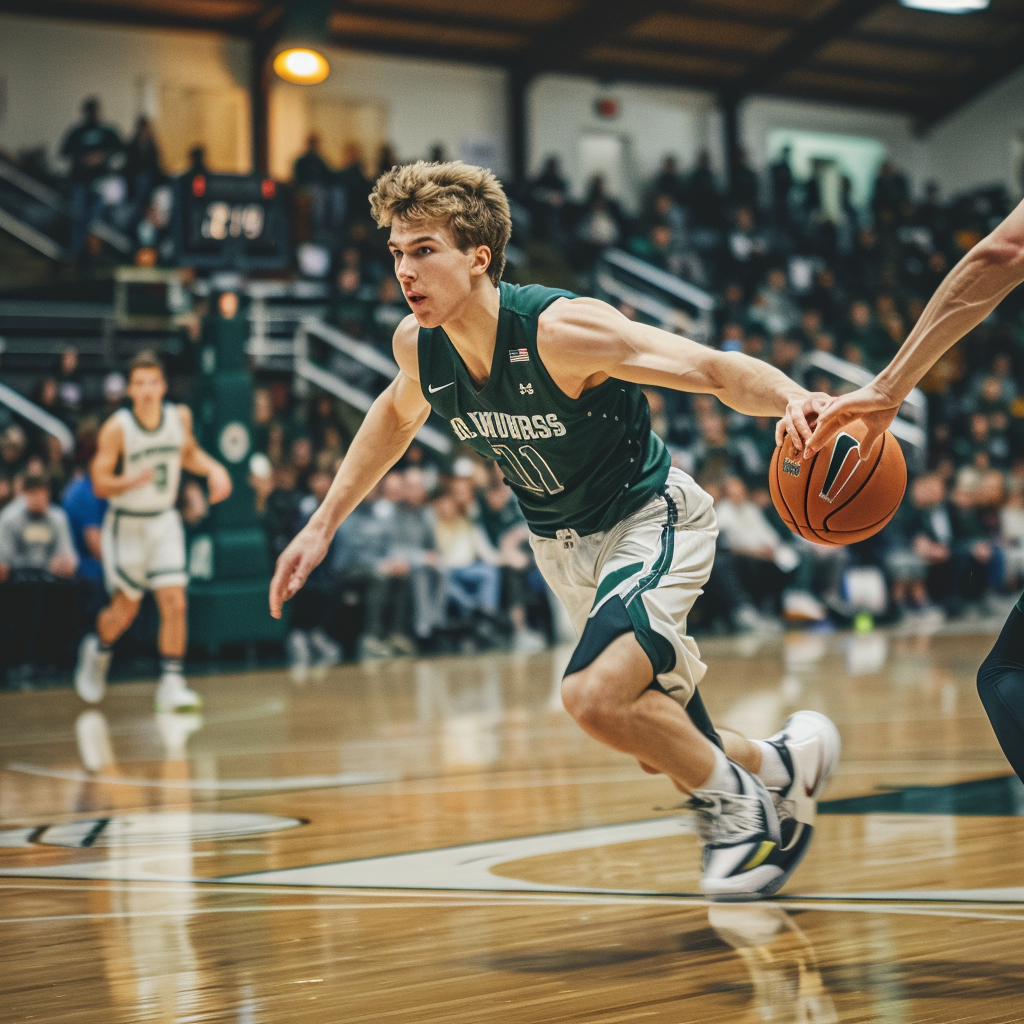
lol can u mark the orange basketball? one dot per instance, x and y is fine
(834, 497)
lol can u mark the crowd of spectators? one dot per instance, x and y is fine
(437, 557)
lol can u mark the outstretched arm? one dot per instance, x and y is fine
(585, 341)
(106, 481)
(195, 460)
(387, 431)
(971, 290)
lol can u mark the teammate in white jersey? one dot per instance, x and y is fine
(140, 454)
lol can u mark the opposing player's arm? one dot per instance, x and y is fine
(584, 341)
(106, 481)
(971, 290)
(195, 460)
(387, 431)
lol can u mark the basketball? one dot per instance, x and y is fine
(834, 497)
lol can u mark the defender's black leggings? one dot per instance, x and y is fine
(1001, 687)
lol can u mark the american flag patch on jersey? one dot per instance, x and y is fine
(518, 355)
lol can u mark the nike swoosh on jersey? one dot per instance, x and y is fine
(433, 390)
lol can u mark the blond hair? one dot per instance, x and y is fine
(468, 201)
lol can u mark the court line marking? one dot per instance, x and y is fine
(830, 907)
(469, 868)
(293, 782)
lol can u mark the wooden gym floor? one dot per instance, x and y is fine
(437, 842)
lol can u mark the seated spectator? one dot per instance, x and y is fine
(85, 514)
(862, 334)
(36, 552)
(380, 583)
(951, 553)
(389, 311)
(411, 541)
(508, 533)
(71, 397)
(767, 566)
(468, 559)
(773, 308)
(746, 247)
(317, 605)
(14, 453)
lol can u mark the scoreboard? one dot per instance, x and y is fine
(230, 222)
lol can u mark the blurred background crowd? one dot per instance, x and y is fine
(437, 558)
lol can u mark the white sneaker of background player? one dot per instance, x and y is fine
(740, 832)
(173, 694)
(91, 669)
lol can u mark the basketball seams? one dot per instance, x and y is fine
(864, 483)
(887, 461)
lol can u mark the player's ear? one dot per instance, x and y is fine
(481, 260)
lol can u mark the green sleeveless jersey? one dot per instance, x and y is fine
(581, 464)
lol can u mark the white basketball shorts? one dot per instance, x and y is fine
(657, 561)
(143, 552)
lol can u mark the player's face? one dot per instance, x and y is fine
(436, 276)
(147, 387)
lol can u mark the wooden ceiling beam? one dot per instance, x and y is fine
(409, 15)
(119, 14)
(802, 45)
(565, 43)
(367, 41)
(904, 41)
(997, 64)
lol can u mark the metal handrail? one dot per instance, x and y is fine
(348, 393)
(702, 300)
(39, 417)
(911, 425)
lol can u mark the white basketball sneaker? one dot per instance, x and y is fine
(91, 669)
(809, 746)
(173, 694)
(740, 832)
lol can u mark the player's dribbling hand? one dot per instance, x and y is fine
(294, 565)
(139, 479)
(799, 412)
(869, 404)
(218, 483)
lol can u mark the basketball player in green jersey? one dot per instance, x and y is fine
(971, 290)
(548, 385)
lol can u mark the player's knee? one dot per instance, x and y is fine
(589, 702)
(171, 601)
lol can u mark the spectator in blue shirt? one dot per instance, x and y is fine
(85, 514)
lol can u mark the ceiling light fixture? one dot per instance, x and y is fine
(947, 6)
(301, 66)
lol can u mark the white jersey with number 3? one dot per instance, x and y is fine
(158, 450)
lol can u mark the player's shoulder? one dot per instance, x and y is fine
(113, 427)
(184, 415)
(577, 322)
(405, 345)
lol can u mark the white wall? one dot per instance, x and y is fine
(976, 145)
(427, 102)
(50, 66)
(654, 121)
(761, 115)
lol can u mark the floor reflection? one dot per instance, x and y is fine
(782, 963)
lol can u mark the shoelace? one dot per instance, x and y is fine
(726, 818)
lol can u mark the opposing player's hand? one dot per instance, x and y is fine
(869, 404)
(218, 483)
(295, 564)
(800, 413)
